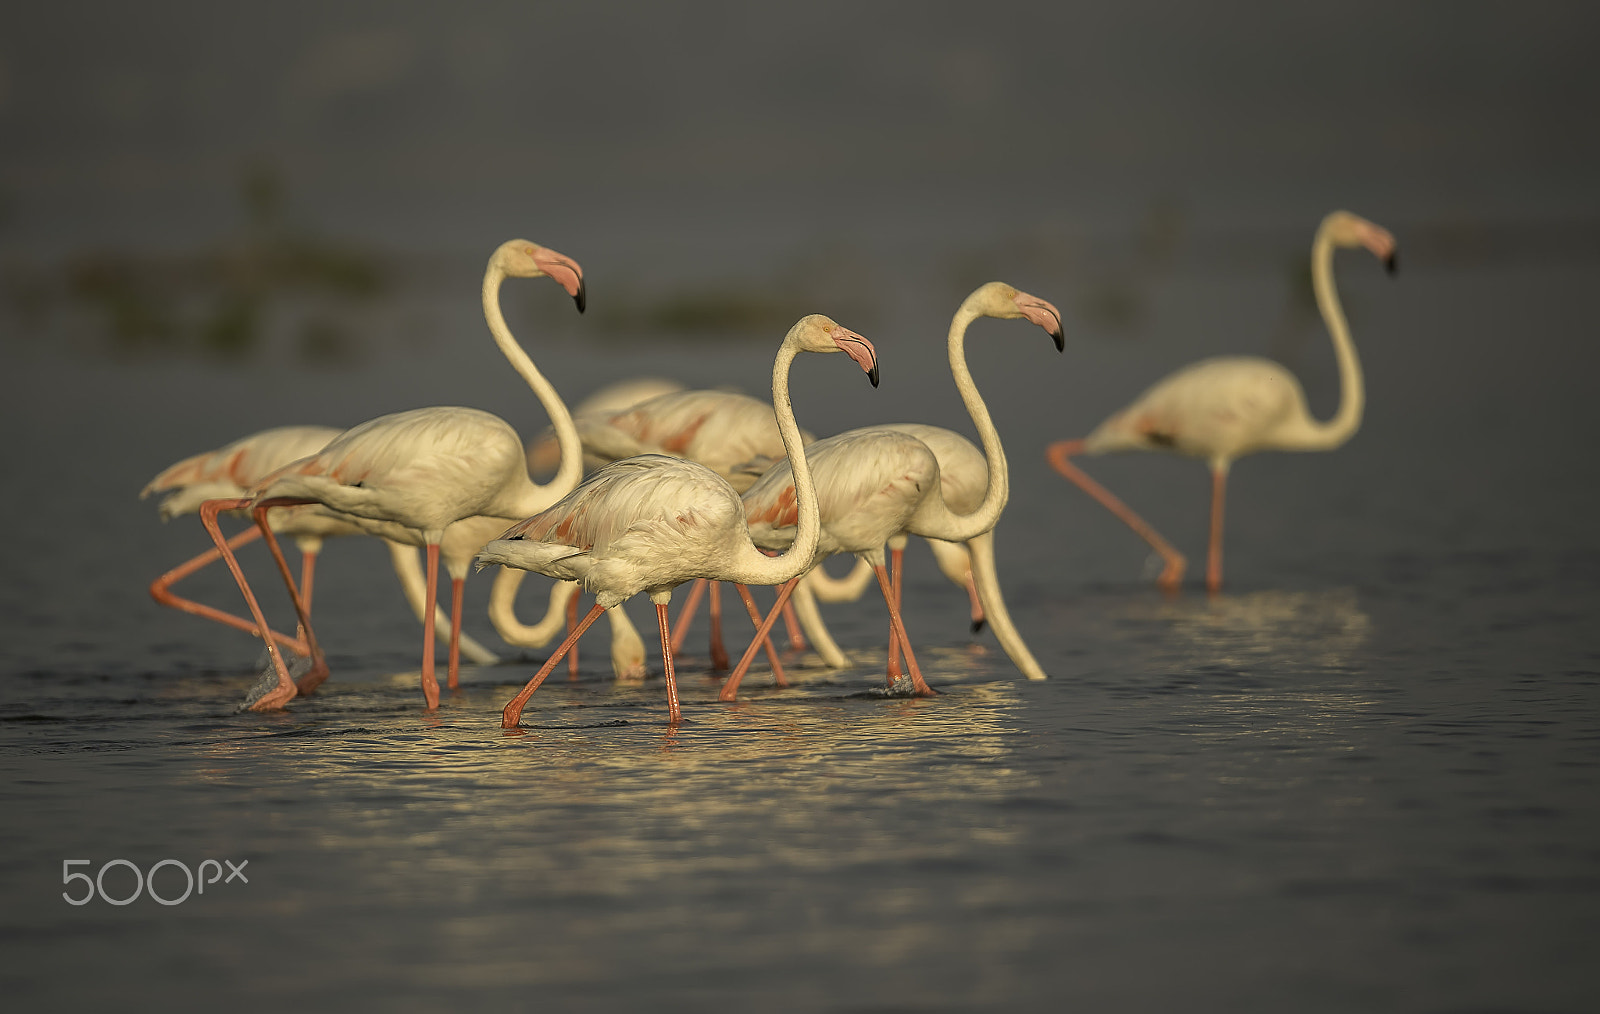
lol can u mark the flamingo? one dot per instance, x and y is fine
(412, 475)
(1223, 408)
(650, 523)
(963, 479)
(615, 422)
(231, 471)
(730, 433)
(880, 482)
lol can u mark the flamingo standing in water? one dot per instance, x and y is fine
(877, 483)
(1223, 408)
(732, 434)
(232, 471)
(650, 523)
(649, 415)
(417, 473)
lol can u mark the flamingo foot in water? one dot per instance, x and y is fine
(1171, 579)
(267, 693)
(905, 686)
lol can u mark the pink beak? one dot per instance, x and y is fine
(566, 273)
(1044, 314)
(1382, 245)
(859, 349)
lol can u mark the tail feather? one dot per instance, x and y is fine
(188, 470)
(565, 562)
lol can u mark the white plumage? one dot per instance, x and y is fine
(427, 469)
(649, 523)
(880, 483)
(1223, 408)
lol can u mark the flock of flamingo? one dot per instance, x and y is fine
(707, 486)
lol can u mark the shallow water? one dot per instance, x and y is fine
(1363, 779)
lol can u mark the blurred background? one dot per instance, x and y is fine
(218, 219)
(215, 219)
(190, 180)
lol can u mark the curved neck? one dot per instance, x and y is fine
(1352, 394)
(849, 588)
(536, 498)
(503, 611)
(755, 567)
(961, 527)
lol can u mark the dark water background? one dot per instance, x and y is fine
(1363, 779)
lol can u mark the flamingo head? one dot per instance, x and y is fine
(522, 259)
(1346, 229)
(997, 299)
(816, 333)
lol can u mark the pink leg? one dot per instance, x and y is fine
(285, 690)
(797, 639)
(719, 654)
(674, 712)
(513, 710)
(897, 561)
(1172, 575)
(730, 689)
(430, 682)
(160, 590)
(977, 604)
(1219, 485)
(457, 588)
(755, 618)
(308, 573)
(697, 591)
(572, 624)
(319, 666)
(923, 690)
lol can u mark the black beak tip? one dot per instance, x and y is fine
(1060, 340)
(1391, 264)
(872, 375)
(977, 626)
(582, 298)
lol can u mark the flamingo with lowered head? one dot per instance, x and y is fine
(417, 473)
(649, 415)
(232, 471)
(877, 483)
(1223, 408)
(730, 433)
(650, 523)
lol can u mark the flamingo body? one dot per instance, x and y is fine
(424, 469)
(544, 454)
(734, 435)
(236, 468)
(642, 524)
(1218, 409)
(870, 482)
